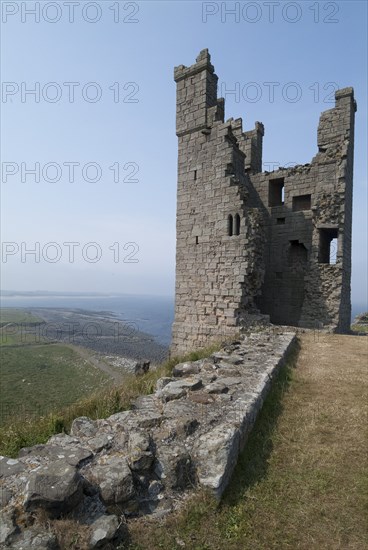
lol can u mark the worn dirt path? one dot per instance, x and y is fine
(98, 363)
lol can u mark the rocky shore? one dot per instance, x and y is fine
(101, 331)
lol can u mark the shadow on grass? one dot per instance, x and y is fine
(252, 463)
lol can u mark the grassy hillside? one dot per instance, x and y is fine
(42, 374)
(38, 379)
(20, 430)
(19, 316)
(16, 326)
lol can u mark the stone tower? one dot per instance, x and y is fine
(251, 242)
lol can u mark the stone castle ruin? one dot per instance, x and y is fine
(251, 242)
(244, 249)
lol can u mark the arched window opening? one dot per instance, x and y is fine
(230, 225)
(237, 224)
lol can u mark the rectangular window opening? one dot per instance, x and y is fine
(276, 192)
(195, 175)
(328, 246)
(302, 202)
(196, 240)
(280, 221)
(333, 251)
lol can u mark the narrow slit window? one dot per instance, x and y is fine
(237, 224)
(230, 225)
(328, 246)
(276, 192)
(195, 175)
(196, 240)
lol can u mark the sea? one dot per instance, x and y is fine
(151, 314)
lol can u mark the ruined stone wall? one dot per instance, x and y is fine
(248, 239)
(144, 461)
(305, 285)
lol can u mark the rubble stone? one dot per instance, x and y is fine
(55, 487)
(141, 461)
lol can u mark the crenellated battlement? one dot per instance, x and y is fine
(257, 243)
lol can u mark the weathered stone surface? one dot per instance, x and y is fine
(216, 453)
(5, 496)
(56, 488)
(83, 427)
(172, 392)
(174, 467)
(112, 476)
(202, 397)
(226, 369)
(102, 441)
(73, 455)
(63, 440)
(10, 466)
(231, 381)
(154, 489)
(8, 527)
(119, 419)
(36, 540)
(185, 369)
(162, 382)
(179, 388)
(140, 457)
(120, 441)
(149, 420)
(227, 359)
(103, 530)
(217, 387)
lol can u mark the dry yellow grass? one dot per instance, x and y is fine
(302, 481)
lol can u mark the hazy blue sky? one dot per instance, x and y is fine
(317, 46)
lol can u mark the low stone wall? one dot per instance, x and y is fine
(187, 434)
